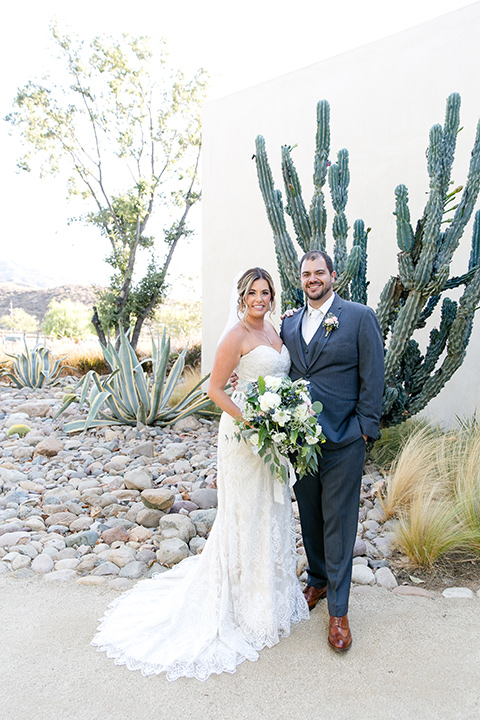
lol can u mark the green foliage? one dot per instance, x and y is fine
(181, 319)
(408, 300)
(35, 367)
(67, 319)
(19, 320)
(20, 430)
(126, 129)
(128, 396)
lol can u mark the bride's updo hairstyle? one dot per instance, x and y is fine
(244, 285)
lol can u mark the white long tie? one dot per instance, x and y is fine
(314, 320)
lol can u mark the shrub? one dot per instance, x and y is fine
(19, 320)
(66, 319)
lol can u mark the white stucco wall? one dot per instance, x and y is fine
(384, 98)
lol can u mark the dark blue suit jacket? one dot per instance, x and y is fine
(344, 368)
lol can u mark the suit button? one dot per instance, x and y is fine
(307, 375)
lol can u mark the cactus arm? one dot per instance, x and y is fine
(465, 207)
(402, 330)
(433, 212)
(359, 281)
(475, 251)
(405, 236)
(353, 266)
(295, 206)
(317, 213)
(387, 305)
(285, 251)
(338, 180)
(438, 341)
(456, 348)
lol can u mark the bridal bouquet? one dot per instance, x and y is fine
(281, 422)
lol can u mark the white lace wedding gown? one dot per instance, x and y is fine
(213, 611)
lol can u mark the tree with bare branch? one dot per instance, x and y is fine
(126, 129)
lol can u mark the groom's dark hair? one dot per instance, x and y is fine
(314, 254)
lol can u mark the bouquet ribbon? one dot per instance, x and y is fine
(278, 493)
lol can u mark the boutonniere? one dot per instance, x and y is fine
(330, 323)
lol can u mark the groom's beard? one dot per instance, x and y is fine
(318, 292)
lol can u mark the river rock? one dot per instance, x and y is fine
(458, 592)
(413, 590)
(173, 451)
(177, 526)
(149, 518)
(172, 551)
(133, 570)
(139, 534)
(204, 516)
(385, 578)
(12, 538)
(49, 447)
(158, 499)
(88, 537)
(35, 408)
(362, 575)
(106, 568)
(187, 423)
(60, 518)
(122, 556)
(205, 498)
(138, 479)
(115, 533)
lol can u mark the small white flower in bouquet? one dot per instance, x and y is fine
(281, 423)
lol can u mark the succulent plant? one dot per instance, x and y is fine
(35, 367)
(129, 396)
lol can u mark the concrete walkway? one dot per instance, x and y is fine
(411, 658)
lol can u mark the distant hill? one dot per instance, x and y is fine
(35, 300)
(13, 272)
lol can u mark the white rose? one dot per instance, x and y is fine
(311, 439)
(302, 412)
(272, 382)
(281, 417)
(269, 401)
(279, 438)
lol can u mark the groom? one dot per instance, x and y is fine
(337, 346)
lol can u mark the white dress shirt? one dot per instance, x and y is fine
(313, 318)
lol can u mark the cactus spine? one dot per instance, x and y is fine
(408, 300)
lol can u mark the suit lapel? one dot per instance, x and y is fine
(298, 335)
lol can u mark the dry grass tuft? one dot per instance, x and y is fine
(429, 527)
(434, 490)
(417, 460)
(190, 378)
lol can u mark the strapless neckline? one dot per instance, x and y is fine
(269, 347)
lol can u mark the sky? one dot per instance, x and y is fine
(239, 44)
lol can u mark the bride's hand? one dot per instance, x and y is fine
(289, 312)
(233, 380)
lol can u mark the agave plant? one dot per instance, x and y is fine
(129, 396)
(34, 367)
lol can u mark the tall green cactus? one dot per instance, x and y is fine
(407, 300)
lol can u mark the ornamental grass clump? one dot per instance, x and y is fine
(429, 527)
(417, 460)
(434, 493)
(130, 396)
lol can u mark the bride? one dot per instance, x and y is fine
(213, 611)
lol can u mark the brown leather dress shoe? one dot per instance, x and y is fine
(339, 635)
(313, 595)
